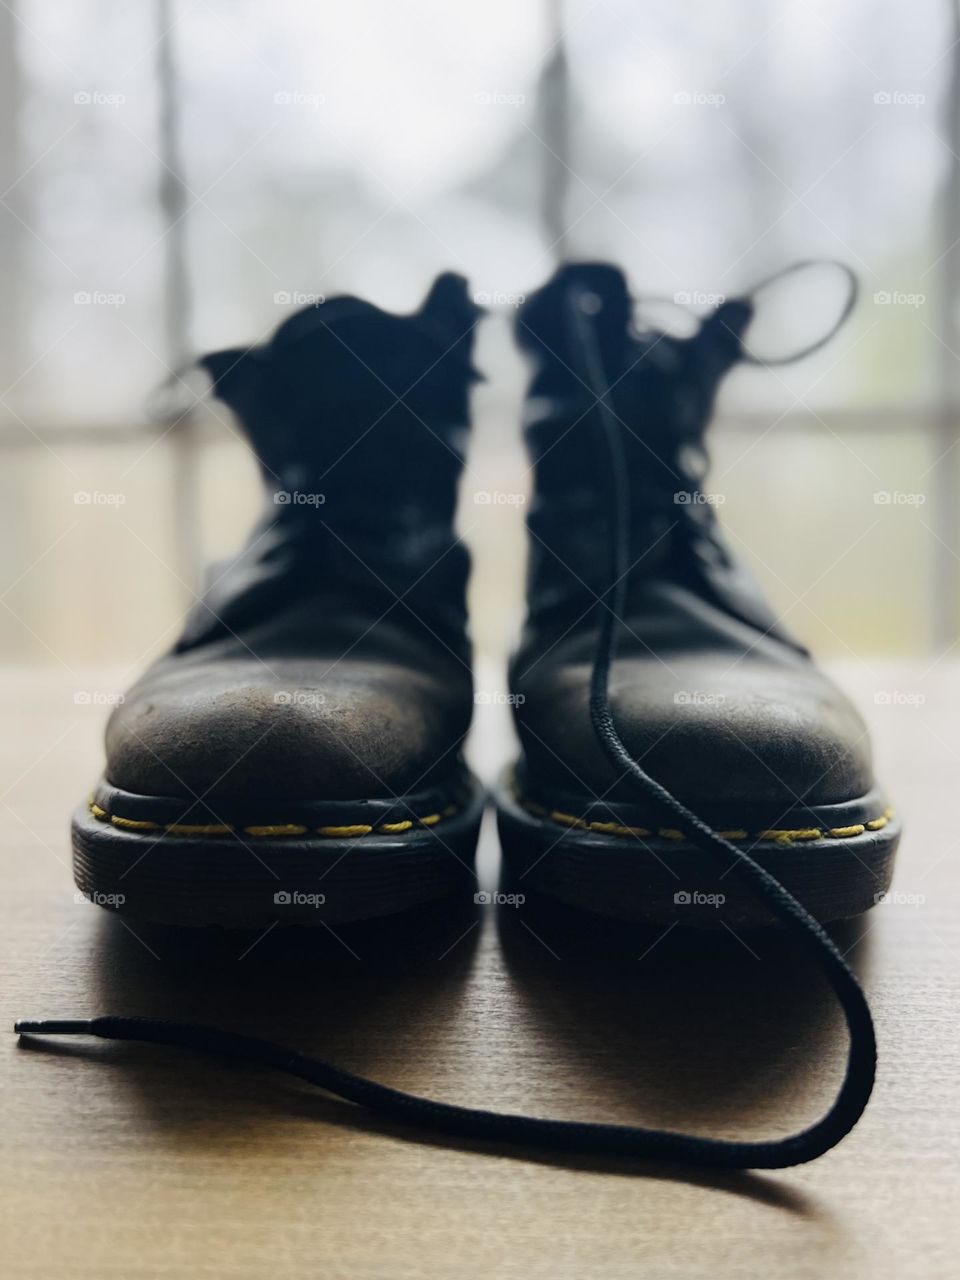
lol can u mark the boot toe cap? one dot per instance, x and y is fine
(358, 731)
(759, 734)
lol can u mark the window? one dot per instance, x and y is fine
(176, 175)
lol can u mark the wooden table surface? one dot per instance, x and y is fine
(127, 1161)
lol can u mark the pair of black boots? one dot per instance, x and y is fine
(298, 756)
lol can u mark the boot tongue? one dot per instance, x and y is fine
(544, 328)
(346, 394)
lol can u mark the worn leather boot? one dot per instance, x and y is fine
(711, 715)
(297, 757)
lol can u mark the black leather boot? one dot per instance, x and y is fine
(297, 757)
(710, 710)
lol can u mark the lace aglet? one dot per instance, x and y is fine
(55, 1027)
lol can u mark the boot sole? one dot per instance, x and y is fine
(836, 869)
(249, 877)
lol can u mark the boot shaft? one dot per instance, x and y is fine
(358, 419)
(661, 390)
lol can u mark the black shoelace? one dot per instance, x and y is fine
(572, 1135)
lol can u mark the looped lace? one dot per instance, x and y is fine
(751, 296)
(795, 268)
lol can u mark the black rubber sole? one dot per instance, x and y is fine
(662, 879)
(242, 881)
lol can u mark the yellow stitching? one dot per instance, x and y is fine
(566, 819)
(281, 829)
(776, 835)
(788, 837)
(278, 829)
(198, 829)
(130, 824)
(615, 829)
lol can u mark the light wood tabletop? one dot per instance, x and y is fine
(130, 1161)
